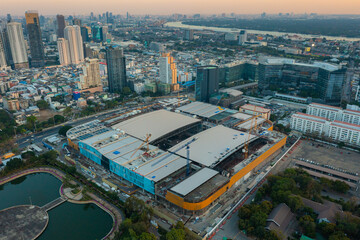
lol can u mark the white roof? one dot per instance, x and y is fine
(191, 183)
(242, 116)
(157, 123)
(251, 123)
(157, 170)
(201, 109)
(125, 151)
(214, 145)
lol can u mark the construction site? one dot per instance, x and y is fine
(184, 158)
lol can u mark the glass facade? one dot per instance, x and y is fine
(303, 80)
(234, 75)
(207, 83)
(129, 175)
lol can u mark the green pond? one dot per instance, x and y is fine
(66, 221)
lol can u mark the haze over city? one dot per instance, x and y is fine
(166, 7)
(180, 119)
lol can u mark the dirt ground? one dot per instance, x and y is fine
(46, 114)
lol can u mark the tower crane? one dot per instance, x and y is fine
(142, 144)
(187, 146)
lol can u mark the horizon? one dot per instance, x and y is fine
(186, 7)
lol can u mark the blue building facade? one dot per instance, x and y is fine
(129, 175)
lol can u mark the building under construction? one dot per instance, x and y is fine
(174, 157)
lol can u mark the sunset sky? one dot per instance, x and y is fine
(165, 7)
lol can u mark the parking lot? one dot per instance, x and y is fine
(328, 155)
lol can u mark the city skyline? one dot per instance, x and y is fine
(161, 7)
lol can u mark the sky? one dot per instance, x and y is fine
(166, 7)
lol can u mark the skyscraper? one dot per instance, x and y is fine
(60, 19)
(77, 21)
(73, 35)
(64, 52)
(189, 34)
(8, 17)
(242, 37)
(91, 74)
(3, 63)
(116, 67)
(85, 33)
(5, 43)
(207, 82)
(168, 71)
(17, 45)
(35, 39)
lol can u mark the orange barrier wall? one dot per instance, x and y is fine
(179, 201)
(72, 144)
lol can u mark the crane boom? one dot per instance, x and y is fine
(176, 150)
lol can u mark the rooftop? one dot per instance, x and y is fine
(86, 130)
(158, 124)
(194, 181)
(255, 108)
(204, 110)
(214, 145)
(126, 151)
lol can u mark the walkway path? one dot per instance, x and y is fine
(47, 207)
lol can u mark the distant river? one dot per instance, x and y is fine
(66, 221)
(274, 33)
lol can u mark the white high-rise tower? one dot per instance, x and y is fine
(73, 35)
(17, 44)
(64, 52)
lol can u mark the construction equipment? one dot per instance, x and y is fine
(142, 144)
(178, 149)
(252, 128)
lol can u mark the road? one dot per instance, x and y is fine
(38, 137)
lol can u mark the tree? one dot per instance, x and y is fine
(13, 164)
(175, 234)
(295, 203)
(64, 129)
(59, 119)
(126, 91)
(340, 186)
(338, 236)
(42, 104)
(147, 236)
(308, 225)
(67, 111)
(30, 122)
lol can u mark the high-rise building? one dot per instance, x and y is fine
(168, 71)
(207, 83)
(17, 45)
(73, 35)
(104, 33)
(77, 21)
(5, 43)
(3, 63)
(91, 74)
(64, 51)
(116, 67)
(85, 34)
(96, 33)
(189, 34)
(60, 19)
(8, 17)
(318, 80)
(242, 37)
(35, 39)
